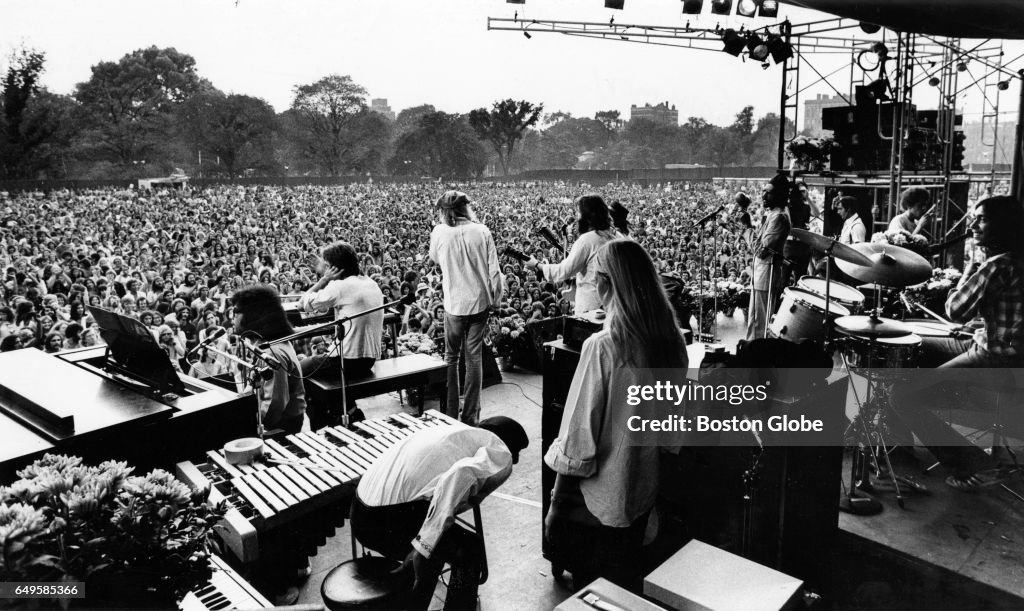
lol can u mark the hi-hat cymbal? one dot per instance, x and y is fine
(870, 326)
(890, 265)
(822, 243)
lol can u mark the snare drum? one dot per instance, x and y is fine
(883, 352)
(843, 294)
(926, 327)
(801, 316)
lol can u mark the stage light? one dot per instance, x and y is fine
(693, 7)
(934, 81)
(769, 8)
(746, 8)
(527, 35)
(734, 43)
(961, 67)
(721, 7)
(869, 28)
(758, 50)
(780, 49)
(1003, 85)
(614, 4)
(515, 1)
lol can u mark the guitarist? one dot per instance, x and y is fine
(595, 230)
(916, 205)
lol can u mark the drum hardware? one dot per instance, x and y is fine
(888, 265)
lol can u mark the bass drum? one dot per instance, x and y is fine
(883, 352)
(801, 316)
(843, 294)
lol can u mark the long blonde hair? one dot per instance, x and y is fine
(642, 320)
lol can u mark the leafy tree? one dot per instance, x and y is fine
(127, 107)
(610, 119)
(237, 129)
(325, 114)
(743, 128)
(503, 125)
(409, 118)
(442, 145)
(721, 146)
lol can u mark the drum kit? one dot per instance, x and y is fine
(869, 342)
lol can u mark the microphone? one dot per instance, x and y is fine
(206, 342)
(269, 359)
(565, 228)
(550, 237)
(709, 216)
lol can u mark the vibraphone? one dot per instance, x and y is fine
(306, 475)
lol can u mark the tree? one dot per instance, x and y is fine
(743, 128)
(35, 126)
(504, 125)
(325, 113)
(720, 147)
(441, 145)
(127, 106)
(409, 118)
(237, 129)
(611, 119)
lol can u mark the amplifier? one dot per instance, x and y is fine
(581, 326)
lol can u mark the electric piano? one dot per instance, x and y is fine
(291, 501)
(225, 591)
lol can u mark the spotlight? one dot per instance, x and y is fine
(780, 49)
(692, 7)
(880, 50)
(1003, 85)
(527, 34)
(721, 7)
(878, 89)
(869, 28)
(769, 8)
(758, 50)
(961, 67)
(614, 4)
(746, 8)
(734, 43)
(515, 1)
(934, 81)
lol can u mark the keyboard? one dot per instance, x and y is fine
(225, 590)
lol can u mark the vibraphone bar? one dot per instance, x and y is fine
(299, 474)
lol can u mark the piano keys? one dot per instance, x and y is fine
(225, 591)
(300, 475)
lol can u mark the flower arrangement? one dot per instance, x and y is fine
(131, 539)
(415, 343)
(811, 154)
(508, 334)
(932, 293)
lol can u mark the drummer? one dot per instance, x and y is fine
(993, 290)
(768, 243)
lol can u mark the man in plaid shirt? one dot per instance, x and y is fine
(994, 291)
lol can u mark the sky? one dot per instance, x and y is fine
(414, 52)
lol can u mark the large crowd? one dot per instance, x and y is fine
(172, 259)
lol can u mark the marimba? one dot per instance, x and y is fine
(306, 475)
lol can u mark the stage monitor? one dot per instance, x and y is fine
(133, 351)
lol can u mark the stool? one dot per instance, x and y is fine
(364, 583)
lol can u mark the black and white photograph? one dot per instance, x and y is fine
(575, 305)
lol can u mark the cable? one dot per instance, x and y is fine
(524, 393)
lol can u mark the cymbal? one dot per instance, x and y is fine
(871, 327)
(890, 265)
(822, 243)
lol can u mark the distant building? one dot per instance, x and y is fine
(662, 113)
(812, 112)
(978, 145)
(381, 105)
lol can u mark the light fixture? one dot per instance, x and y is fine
(780, 49)
(515, 1)
(721, 7)
(693, 7)
(961, 67)
(755, 45)
(614, 4)
(869, 28)
(1003, 85)
(527, 34)
(769, 8)
(746, 8)
(934, 81)
(734, 43)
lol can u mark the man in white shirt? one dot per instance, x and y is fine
(344, 288)
(471, 284)
(407, 501)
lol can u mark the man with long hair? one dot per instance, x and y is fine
(471, 283)
(595, 230)
(606, 487)
(343, 288)
(258, 313)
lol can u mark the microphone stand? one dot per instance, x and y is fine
(339, 328)
(254, 376)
